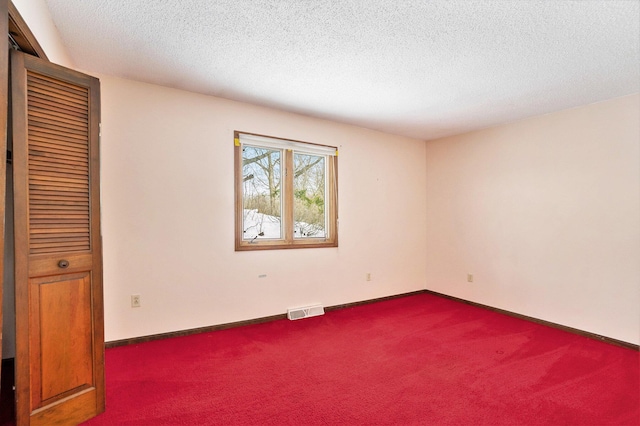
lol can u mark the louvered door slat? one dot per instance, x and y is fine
(51, 206)
(55, 127)
(37, 149)
(56, 250)
(62, 175)
(72, 125)
(48, 121)
(63, 145)
(58, 189)
(56, 158)
(56, 88)
(55, 243)
(65, 112)
(38, 164)
(55, 231)
(41, 179)
(38, 138)
(42, 175)
(71, 108)
(55, 84)
(38, 204)
(62, 168)
(46, 93)
(58, 197)
(43, 96)
(48, 138)
(48, 238)
(53, 93)
(45, 132)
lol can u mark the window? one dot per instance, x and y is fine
(286, 193)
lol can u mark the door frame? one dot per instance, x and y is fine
(18, 34)
(4, 109)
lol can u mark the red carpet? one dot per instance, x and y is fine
(418, 360)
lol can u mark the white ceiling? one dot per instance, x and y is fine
(418, 68)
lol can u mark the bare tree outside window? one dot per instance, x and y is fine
(262, 180)
(309, 195)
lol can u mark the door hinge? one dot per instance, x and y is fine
(13, 44)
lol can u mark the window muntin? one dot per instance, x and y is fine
(286, 193)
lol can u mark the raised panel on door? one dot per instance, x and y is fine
(58, 270)
(61, 348)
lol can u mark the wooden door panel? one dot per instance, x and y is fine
(59, 312)
(61, 317)
(71, 411)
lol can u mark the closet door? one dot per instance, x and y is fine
(58, 255)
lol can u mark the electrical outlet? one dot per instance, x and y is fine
(470, 278)
(135, 301)
(368, 276)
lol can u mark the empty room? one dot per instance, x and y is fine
(369, 212)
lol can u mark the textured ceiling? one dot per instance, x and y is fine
(418, 68)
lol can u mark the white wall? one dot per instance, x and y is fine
(168, 214)
(36, 15)
(545, 213)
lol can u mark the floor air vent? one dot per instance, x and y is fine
(307, 311)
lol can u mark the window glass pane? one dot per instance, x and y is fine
(261, 190)
(309, 196)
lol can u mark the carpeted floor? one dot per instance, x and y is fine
(415, 360)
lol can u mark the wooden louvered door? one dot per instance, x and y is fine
(58, 271)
